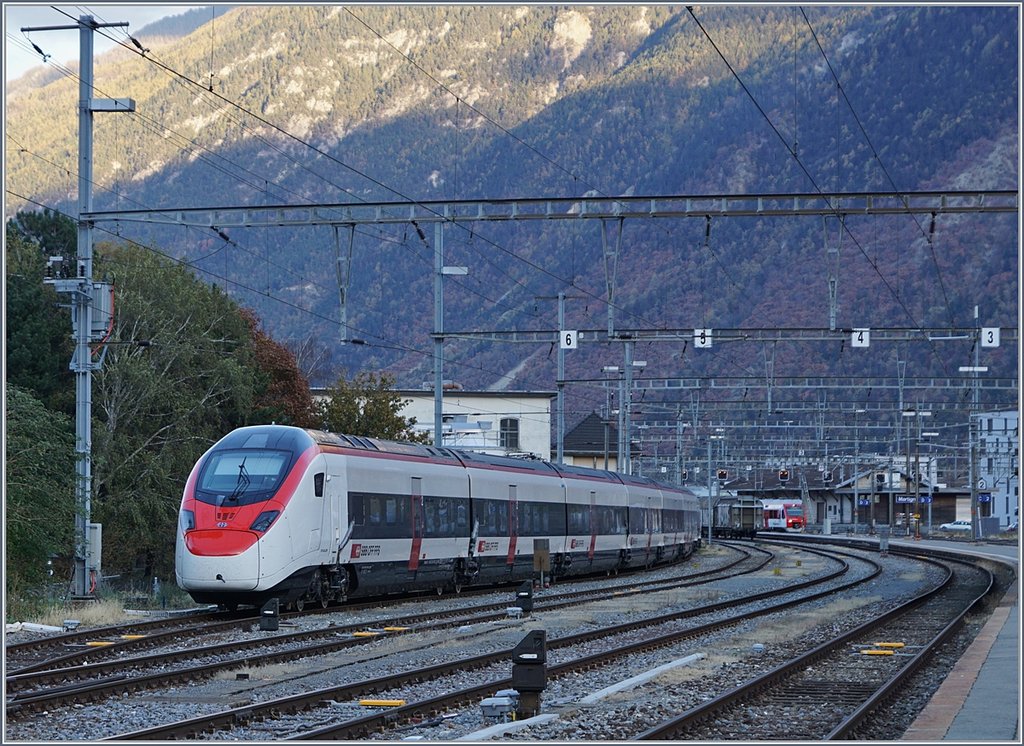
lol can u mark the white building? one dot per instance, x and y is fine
(998, 443)
(500, 422)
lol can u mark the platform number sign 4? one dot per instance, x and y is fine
(702, 338)
(861, 338)
(990, 336)
(569, 340)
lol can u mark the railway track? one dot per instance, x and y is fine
(643, 634)
(95, 643)
(831, 691)
(56, 682)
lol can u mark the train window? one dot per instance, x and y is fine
(579, 519)
(431, 522)
(318, 484)
(375, 511)
(525, 519)
(440, 516)
(242, 473)
(391, 511)
(355, 509)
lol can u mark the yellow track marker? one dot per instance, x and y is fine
(890, 644)
(99, 643)
(132, 637)
(381, 702)
(366, 634)
(876, 652)
(396, 629)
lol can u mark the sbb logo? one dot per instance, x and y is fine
(356, 548)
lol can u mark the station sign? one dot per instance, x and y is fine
(984, 497)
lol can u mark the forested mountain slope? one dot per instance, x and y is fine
(333, 104)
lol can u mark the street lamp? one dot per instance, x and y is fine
(931, 481)
(710, 477)
(618, 434)
(856, 468)
(622, 463)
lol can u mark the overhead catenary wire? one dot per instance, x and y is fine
(385, 343)
(874, 152)
(836, 209)
(150, 58)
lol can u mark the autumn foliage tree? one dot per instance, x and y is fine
(283, 392)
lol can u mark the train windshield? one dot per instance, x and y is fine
(794, 511)
(239, 476)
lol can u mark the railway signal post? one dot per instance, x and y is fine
(530, 671)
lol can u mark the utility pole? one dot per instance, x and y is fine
(439, 272)
(974, 370)
(87, 297)
(567, 340)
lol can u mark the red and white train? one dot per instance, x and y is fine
(783, 515)
(312, 517)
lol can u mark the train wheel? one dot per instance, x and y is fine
(457, 586)
(440, 590)
(299, 603)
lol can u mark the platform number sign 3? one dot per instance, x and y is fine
(569, 340)
(701, 338)
(990, 336)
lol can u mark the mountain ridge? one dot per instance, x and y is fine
(610, 99)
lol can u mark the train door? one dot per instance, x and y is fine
(330, 533)
(416, 516)
(650, 526)
(318, 514)
(593, 525)
(513, 526)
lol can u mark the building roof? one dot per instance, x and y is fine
(483, 394)
(588, 437)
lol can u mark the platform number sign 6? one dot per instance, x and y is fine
(701, 338)
(569, 340)
(990, 336)
(861, 338)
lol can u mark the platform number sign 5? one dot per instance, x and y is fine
(702, 338)
(569, 340)
(990, 336)
(861, 338)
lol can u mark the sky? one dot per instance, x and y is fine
(19, 57)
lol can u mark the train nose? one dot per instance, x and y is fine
(238, 573)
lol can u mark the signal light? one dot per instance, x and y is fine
(683, 475)
(783, 475)
(723, 474)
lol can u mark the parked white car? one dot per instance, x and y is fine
(956, 526)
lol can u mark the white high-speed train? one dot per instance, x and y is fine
(312, 517)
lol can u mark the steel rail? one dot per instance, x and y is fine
(94, 690)
(674, 728)
(192, 727)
